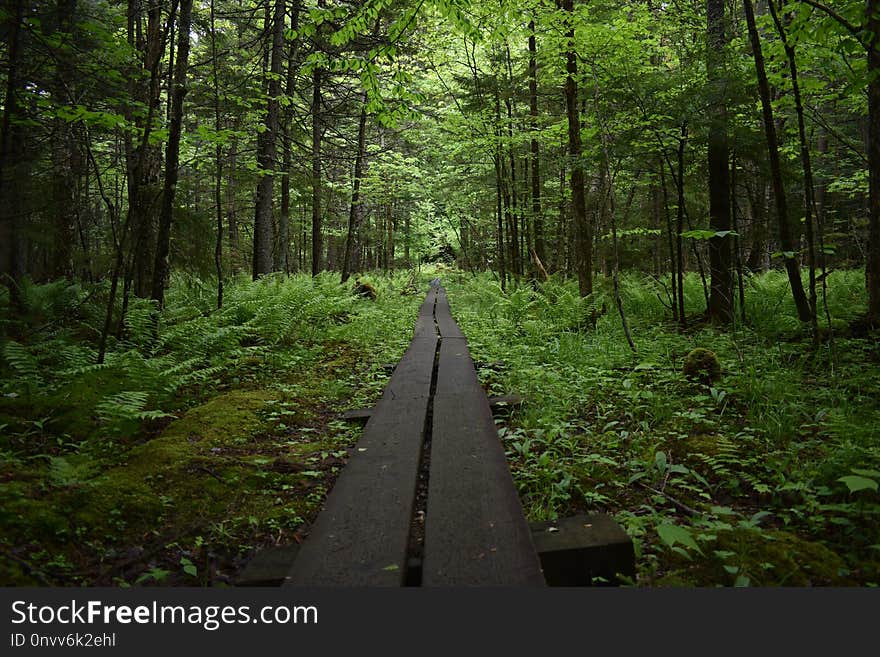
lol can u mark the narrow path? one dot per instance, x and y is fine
(429, 453)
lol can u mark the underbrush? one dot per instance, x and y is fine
(767, 475)
(192, 443)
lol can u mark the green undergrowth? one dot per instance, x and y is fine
(186, 451)
(767, 475)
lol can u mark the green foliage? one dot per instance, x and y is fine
(701, 476)
(223, 418)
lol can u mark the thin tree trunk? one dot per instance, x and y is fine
(537, 217)
(499, 192)
(218, 155)
(172, 155)
(786, 238)
(11, 153)
(673, 260)
(355, 215)
(809, 203)
(583, 236)
(679, 227)
(872, 271)
(317, 246)
(267, 148)
(136, 163)
(720, 307)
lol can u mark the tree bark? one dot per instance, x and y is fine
(356, 212)
(786, 238)
(218, 162)
(282, 262)
(267, 149)
(809, 203)
(872, 270)
(537, 217)
(583, 236)
(720, 307)
(317, 246)
(172, 154)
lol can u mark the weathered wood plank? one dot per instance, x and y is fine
(579, 550)
(268, 567)
(498, 403)
(425, 327)
(456, 373)
(443, 314)
(475, 531)
(357, 415)
(360, 538)
(412, 376)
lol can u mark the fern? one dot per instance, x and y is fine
(22, 362)
(121, 406)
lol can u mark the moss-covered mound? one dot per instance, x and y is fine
(702, 364)
(215, 472)
(760, 558)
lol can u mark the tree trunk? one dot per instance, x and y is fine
(282, 262)
(172, 154)
(218, 162)
(356, 212)
(872, 271)
(11, 152)
(267, 149)
(583, 236)
(809, 204)
(316, 171)
(720, 307)
(679, 227)
(499, 192)
(144, 184)
(537, 217)
(786, 240)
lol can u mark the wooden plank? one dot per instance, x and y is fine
(475, 530)
(360, 538)
(357, 415)
(425, 327)
(443, 314)
(412, 376)
(456, 373)
(584, 550)
(500, 404)
(269, 567)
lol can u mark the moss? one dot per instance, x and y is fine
(702, 364)
(766, 558)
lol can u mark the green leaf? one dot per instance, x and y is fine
(673, 534)
(660, 461)
(856, 483)
(742, 581)
(393, 566)
(699, 234)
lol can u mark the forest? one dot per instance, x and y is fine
(658, 223)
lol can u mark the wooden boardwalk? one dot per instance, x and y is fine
(432, 425)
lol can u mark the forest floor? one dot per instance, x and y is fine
(178, 459)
